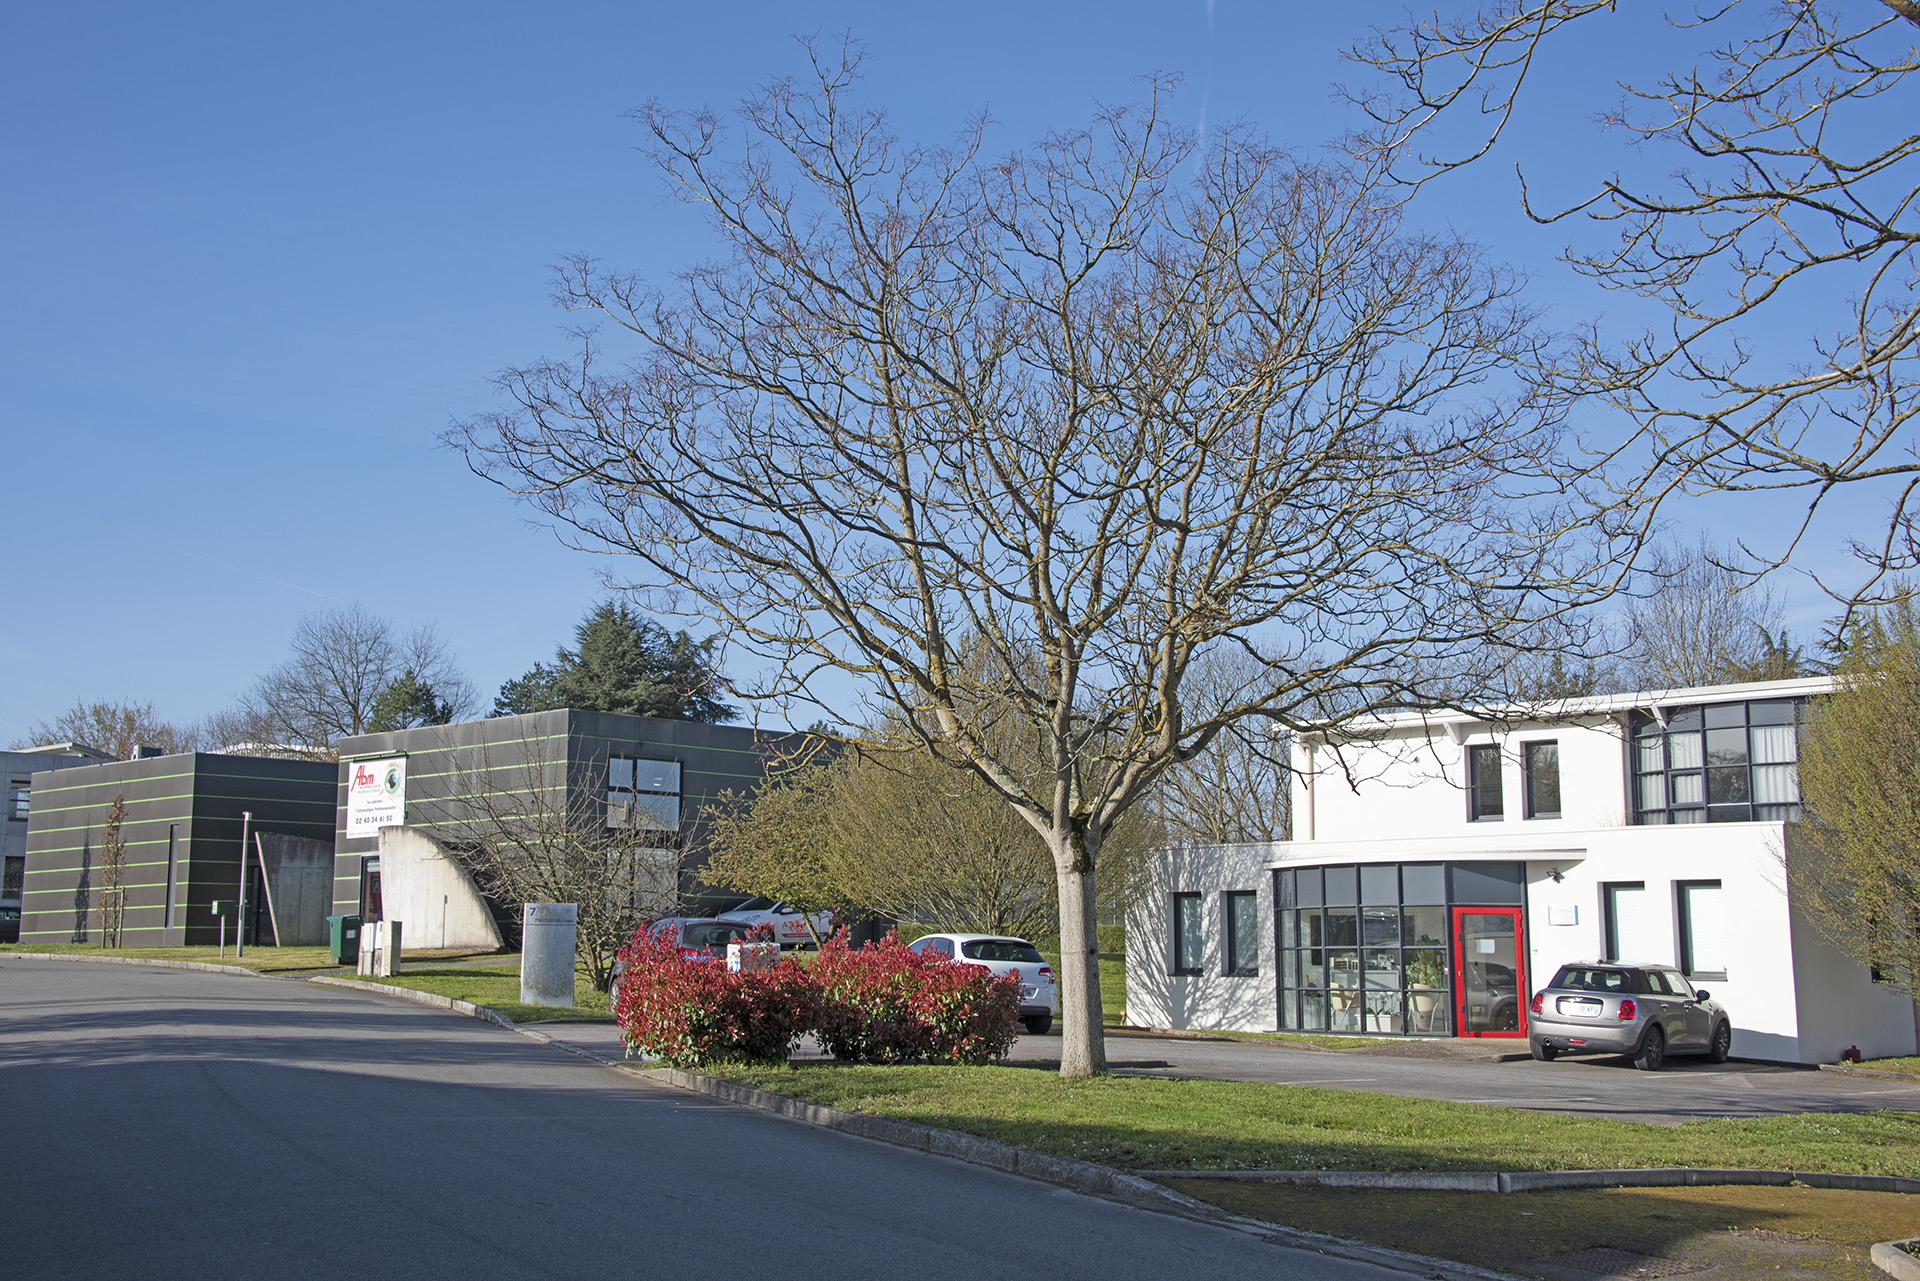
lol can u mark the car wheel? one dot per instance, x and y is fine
(1545, 1053)
(1039, 1024)
(1653, 1051)
(1722, 1045)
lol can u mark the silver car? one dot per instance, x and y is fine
(1643, 1011)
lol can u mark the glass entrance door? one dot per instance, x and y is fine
(1489, 976)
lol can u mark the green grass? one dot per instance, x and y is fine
(498, 987)
(263, 960)
(1911, 1063)
(1153, 1123)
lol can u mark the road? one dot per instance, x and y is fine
(163, 1124)
(1684, 1090)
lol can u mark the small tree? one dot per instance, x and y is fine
(115, 728)
(1859, 873)
(113, 870)
(529, 837)
(780, 842)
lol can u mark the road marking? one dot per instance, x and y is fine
(1324, 1080)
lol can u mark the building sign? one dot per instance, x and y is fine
(376, 795)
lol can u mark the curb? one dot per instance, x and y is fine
(1550, 1180)
(207, 967)
(1847, 1069)
(1896, 1262)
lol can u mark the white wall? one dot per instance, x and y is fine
(1414, 782)
(426, 889)
(1156, 997)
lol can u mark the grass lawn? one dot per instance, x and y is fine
(1113, 984)
(263, 960)
(498, 987)
(1736, 1230)
(1911, 1063)
(1158, 1124)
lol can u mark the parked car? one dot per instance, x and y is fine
(789, 924)
(1643, 1011)
(1039, 998)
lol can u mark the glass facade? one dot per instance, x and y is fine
(1722, 763)
(1364, 949)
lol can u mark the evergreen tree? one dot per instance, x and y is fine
(622, 662)
(406, 702)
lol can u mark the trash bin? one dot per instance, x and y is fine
(343, 939)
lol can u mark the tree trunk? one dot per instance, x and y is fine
(1083, 1046)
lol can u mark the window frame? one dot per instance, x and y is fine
(1528, 774)
(1477, 784)
(628, 800)
(1243, 954)
(1610, 924)
(1178, 933)
(1683, 917)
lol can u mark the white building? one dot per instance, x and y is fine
(1445, 866)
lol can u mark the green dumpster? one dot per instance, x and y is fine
(343, 939)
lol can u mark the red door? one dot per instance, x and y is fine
(1489, 973)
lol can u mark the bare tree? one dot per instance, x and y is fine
(1700, 623)
(1091, 408)
(1794, 203)
(115, 728)
(1240, 788)
(113, 872)
(530, 833)
(343, 663)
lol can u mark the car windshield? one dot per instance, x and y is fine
(1592, 978)
(711, 934)
(999, 950)
(752, 905)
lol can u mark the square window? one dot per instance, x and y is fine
(1423, 882)
(1380, 883)
(1541, 764)
(1343, 886)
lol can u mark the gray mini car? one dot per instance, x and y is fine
(1643, 1011)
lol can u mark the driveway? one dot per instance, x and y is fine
(1684, 1090)
(164, 1124)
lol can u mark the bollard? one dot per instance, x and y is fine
(548, 940)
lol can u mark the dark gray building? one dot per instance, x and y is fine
(634, 772)
(18, 769)
(182, 832)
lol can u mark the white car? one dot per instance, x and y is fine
(1039, 999)
(789, 925)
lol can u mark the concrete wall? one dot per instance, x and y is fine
(299, 886)
(1157, 997)
(425, 887)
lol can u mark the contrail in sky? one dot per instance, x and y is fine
(277, 582)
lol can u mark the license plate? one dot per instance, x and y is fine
(1582, 1007)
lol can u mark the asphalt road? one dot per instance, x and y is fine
(165, 1124)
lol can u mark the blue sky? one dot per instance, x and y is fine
(258, 257)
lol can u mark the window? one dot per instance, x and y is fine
(1722, 763)
(1378, 965)
(173, 864)
(18, 793)
(1541, 764)
(1187, 955)
(14, 883)
(1485, 800)
(1243, 932)
(1703, 947)
(370, 905)
(1630, 935)
(643, 793)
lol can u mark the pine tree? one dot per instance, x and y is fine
(622, 662)
(406, 702)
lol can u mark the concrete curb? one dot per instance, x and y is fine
(1550, 1180)
(1896, 1262)
(468, 1008)
(207, 967)
(1847, 1069)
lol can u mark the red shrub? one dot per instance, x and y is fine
(885, 1004)
(689, 1011)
